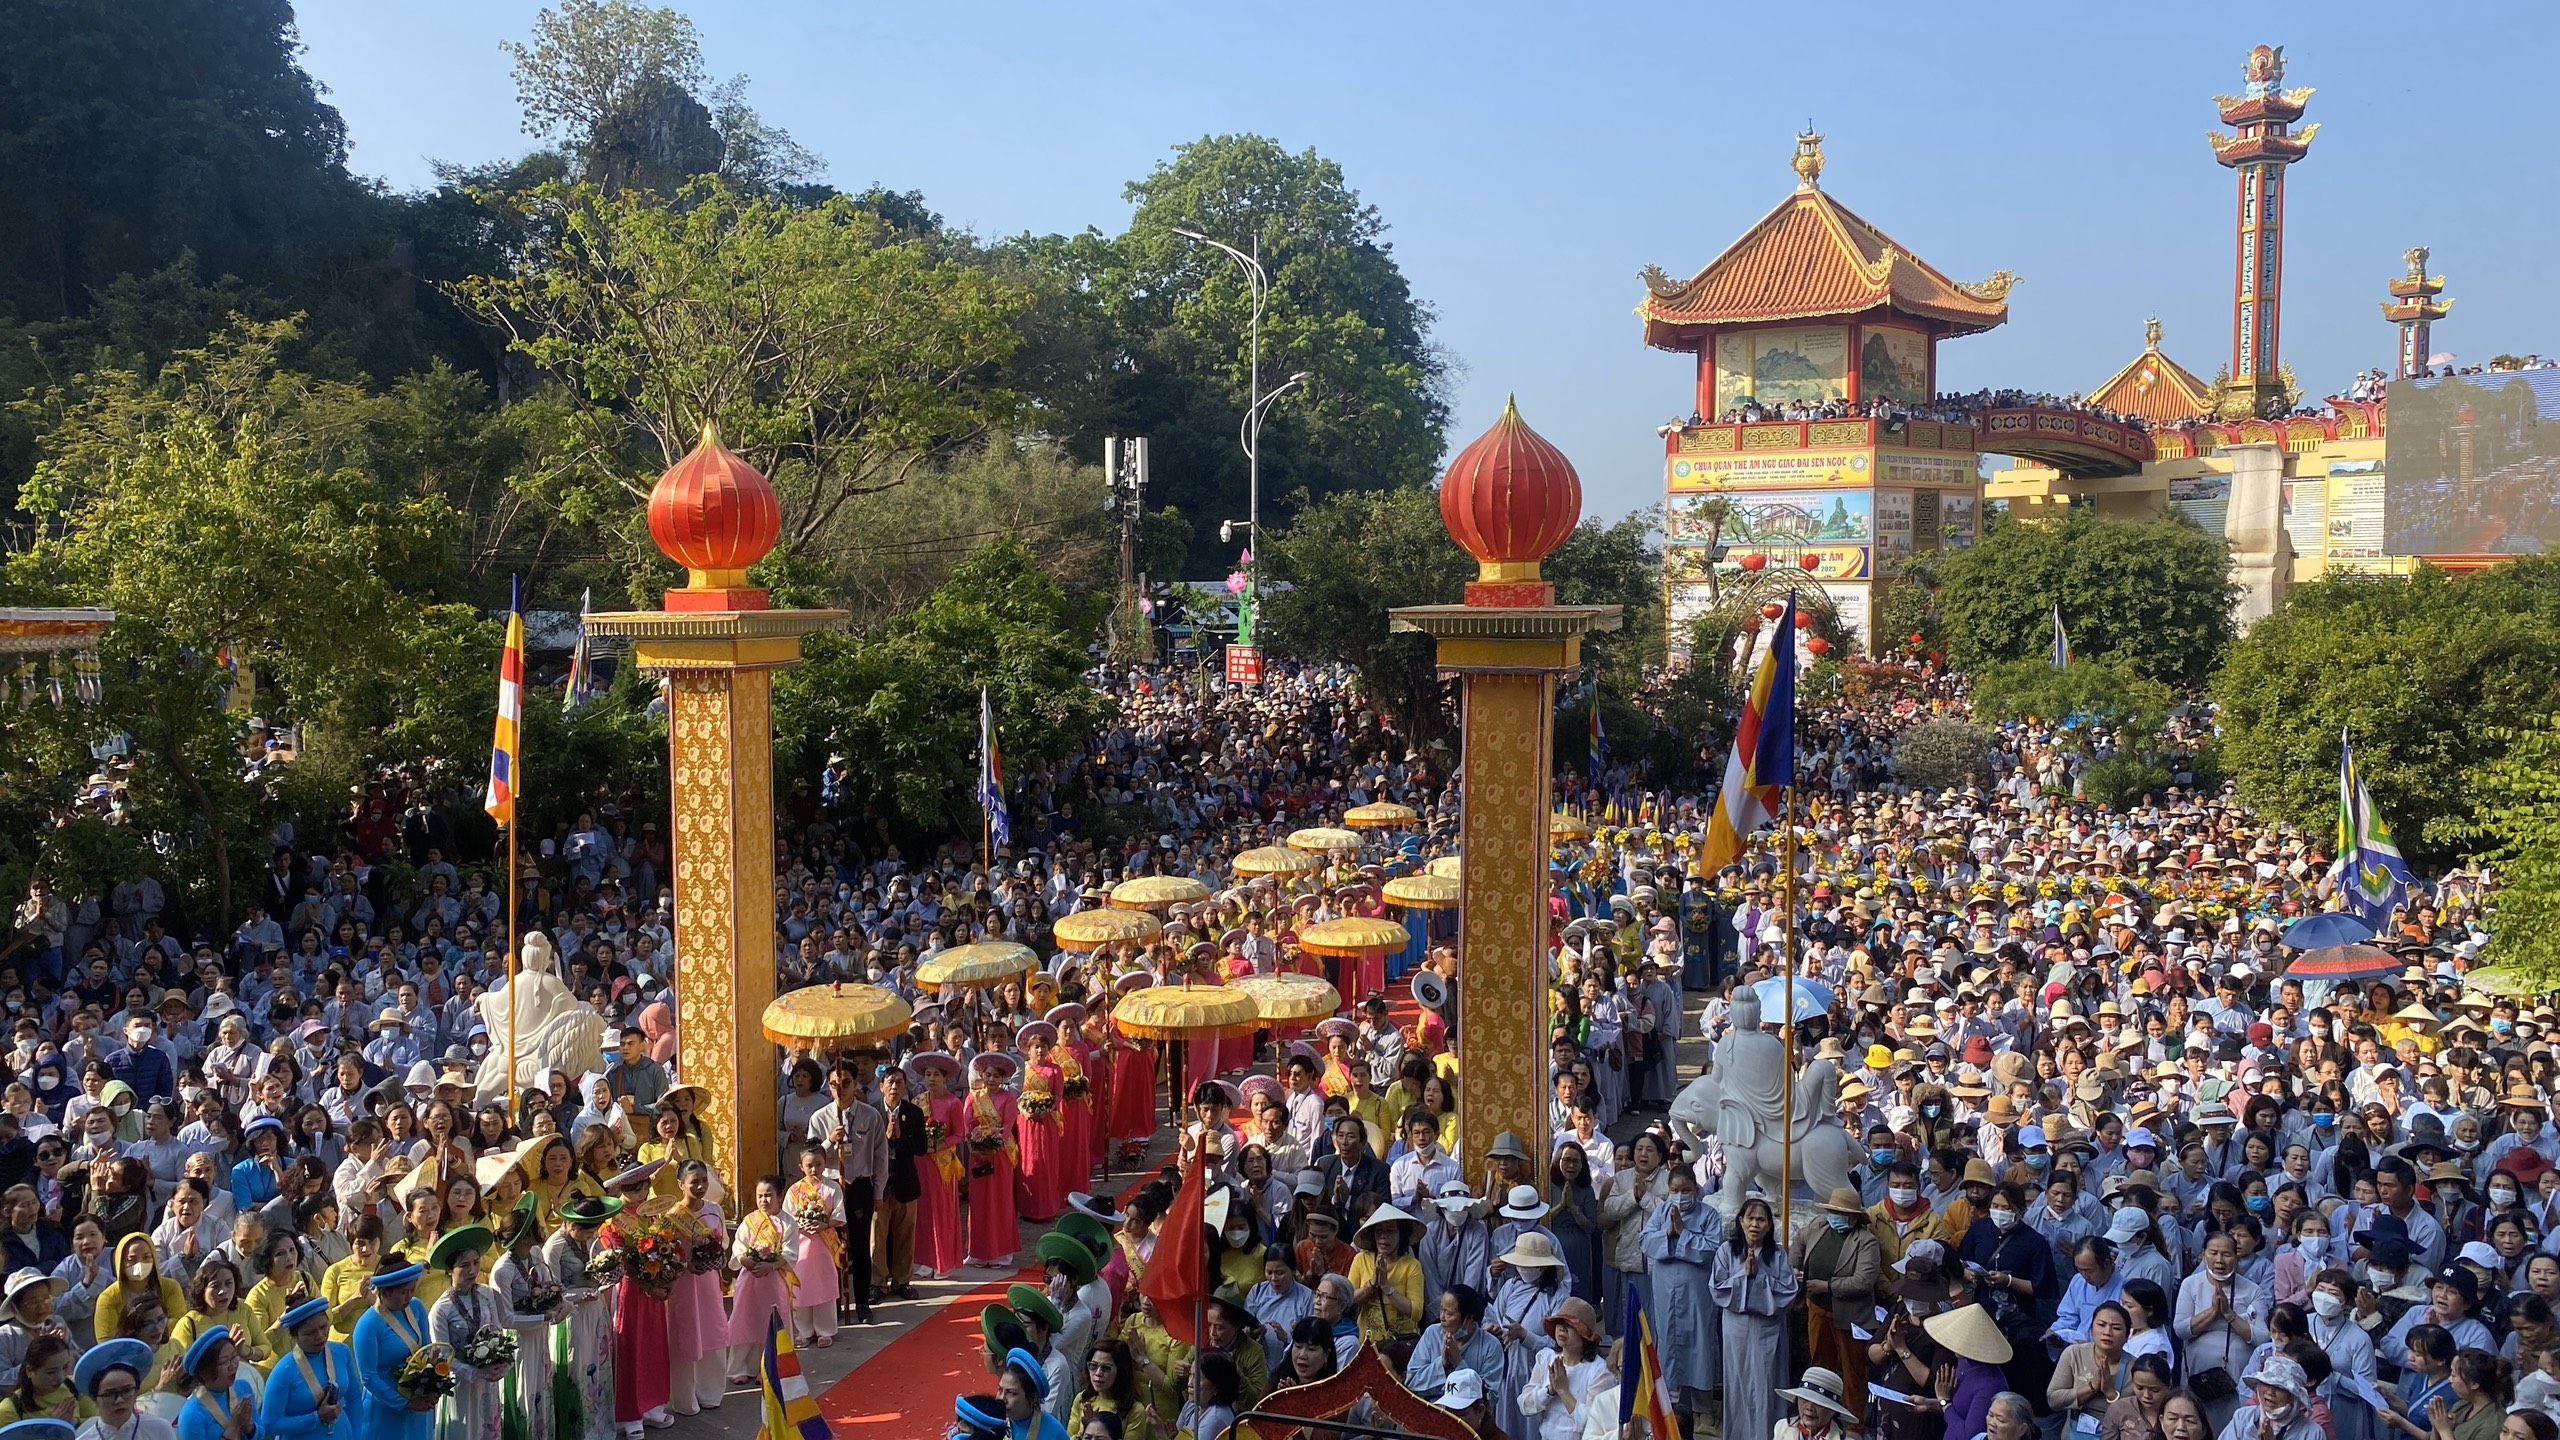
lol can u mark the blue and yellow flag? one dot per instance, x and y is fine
(2370, 875)
(789, 1412)
(1763, 763)
(1641, 1394)
(506, 767)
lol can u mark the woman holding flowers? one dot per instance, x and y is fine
(536, 1304)
(399, 1403)
(583, 1265)
(993, 1156)
(816, 1207)
(1040, 1127)
(650, 1263)
(697, 1321)
(941, 1173)
(470, 1319)
(761, 1252)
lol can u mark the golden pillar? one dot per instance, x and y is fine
(717, 646)
(1509, 499)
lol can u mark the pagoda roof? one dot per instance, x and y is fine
(2155, 387)
(1815, 258)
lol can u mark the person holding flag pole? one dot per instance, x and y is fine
(506, 780)
(1759, 786)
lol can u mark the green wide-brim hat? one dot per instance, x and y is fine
(1071, 1252)
(1091, 1233)
(590, 1210)
(524, 1217)
(477, 1239)
(990, 1318)
(1031, 1301)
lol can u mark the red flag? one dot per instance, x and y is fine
(1176, 1276)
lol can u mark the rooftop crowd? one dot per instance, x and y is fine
(2119, 1176)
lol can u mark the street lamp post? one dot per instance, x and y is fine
(1257, 405)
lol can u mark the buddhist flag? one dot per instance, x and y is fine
(789, 1412)
(2061, 641)
(2370, 874)
(505, 758)
(991, 778)
(1176, 1277)
(1640, 1389)
(1599, 740)
(582, 664)
(1763, 763)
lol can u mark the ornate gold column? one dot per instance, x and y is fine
(718, 646)
(1509, 499)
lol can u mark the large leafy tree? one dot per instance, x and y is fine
(836, 354)
(2516, 827)
(2429, 676)
(901, 703)
(2153, 595)
(1148, 333)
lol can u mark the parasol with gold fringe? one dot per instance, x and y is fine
(1423, 892)
(1447, 866)
(1282, 998)
(1380, 815)
(1275, 860)
(835, 1017)
(1186, 1012)
(1092, 929)
(1354, 935)
(1324, 839)
(988, 962)
(1156, 892)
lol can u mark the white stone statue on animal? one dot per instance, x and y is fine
(558, 1030)
(1741, 1101)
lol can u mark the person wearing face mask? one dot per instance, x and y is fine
(1839, 1262)
(2350, 1351)
(2297, 1263)
(2280, 1404)
(2528, 1118)
(1680, 1244)
(1904, 1217)
(2012, 1271)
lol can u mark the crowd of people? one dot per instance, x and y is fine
(2118, 1173)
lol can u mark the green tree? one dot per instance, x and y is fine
(2155, 595)
(1147, 333)
(2426, 674)
(2094, 693)
(1349, 559)
(1937, 754)
(837, 356)
(2515, 830)
(901, 703)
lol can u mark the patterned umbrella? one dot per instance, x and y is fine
(1093, 929)
(1423, 892)
(1353, 935)
(1323, 839)
(1290, 997)
(1276, 860)
(1380, 815)
(835, 1017)
(1155, 892)
(1446, 865)
(1185, 1012)
(987, 962)
(2344, 962)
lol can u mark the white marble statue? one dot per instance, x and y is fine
(558, 1030)
(1741, 1101)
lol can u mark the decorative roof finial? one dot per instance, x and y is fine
(2416, 255)
(2151, 333)
(1808, 161)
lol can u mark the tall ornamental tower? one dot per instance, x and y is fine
(2257, 382)
(2413, 307)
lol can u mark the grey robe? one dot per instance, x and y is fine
(1755, 1337)
(1525, 1305)
(1453, 1257)
(1686, 1323)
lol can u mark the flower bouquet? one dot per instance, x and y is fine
(708, 1253)
(812, 1218)
(540, 1299)
(764, 1259)
(427, 1374)
(605, 1267)
(489, 1348)
(1039, 1104)
(652, 1254)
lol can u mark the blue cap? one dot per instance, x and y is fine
(202, 1349)
(299, 1315)
(41, 1429)
(263, 1122)
(106, 1355)
(408, 1274)
(1018, 1358)
(979, 1415)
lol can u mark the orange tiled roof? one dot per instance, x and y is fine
(1813, 257)
(2155, 387)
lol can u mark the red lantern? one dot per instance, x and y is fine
(1773, 610)
(1810, 562)
(1818, 645)
(1755, 561)
(1803, 621)
(1751, 625)
(1916, 637)
(714, 513)
(1933, 657)
(1510, 498)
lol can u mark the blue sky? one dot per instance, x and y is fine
(1529, 159)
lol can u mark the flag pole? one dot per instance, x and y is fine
(1787, 1026)
(515, 951)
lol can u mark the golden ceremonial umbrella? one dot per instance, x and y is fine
(1093, 929)
(1320, 839)
(835, 1017)
(1276, 860)
(1447, 867)
(1185, 1012)
(1423, 892)
(985, 963)
(1290, 997)
(1155, 892)
(1353, 935)
(1379, 815)
(1565, 826)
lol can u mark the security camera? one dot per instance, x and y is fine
(1226, 532)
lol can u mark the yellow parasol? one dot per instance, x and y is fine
(1185, 1012)
(1155, 892)
(1564, 825)
(1353, 935)
(1093, 929)
(1423, 892)
(2503, 980)
(1321, 839)
(1379, 815)
(1290, 997)
(1446, 866)
(1276, 860)
(986, 963)
(835, 1017)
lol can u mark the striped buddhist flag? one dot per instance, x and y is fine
(2061, 641)
(1640, 1388)
(789, 1411)
(2369, 872)
(505, 759)
(1763, 763)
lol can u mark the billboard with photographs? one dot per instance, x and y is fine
(2471, 464)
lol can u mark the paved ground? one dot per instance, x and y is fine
(872, 1407)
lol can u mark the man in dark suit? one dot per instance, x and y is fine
(893, 1219)
(1351, 1171)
